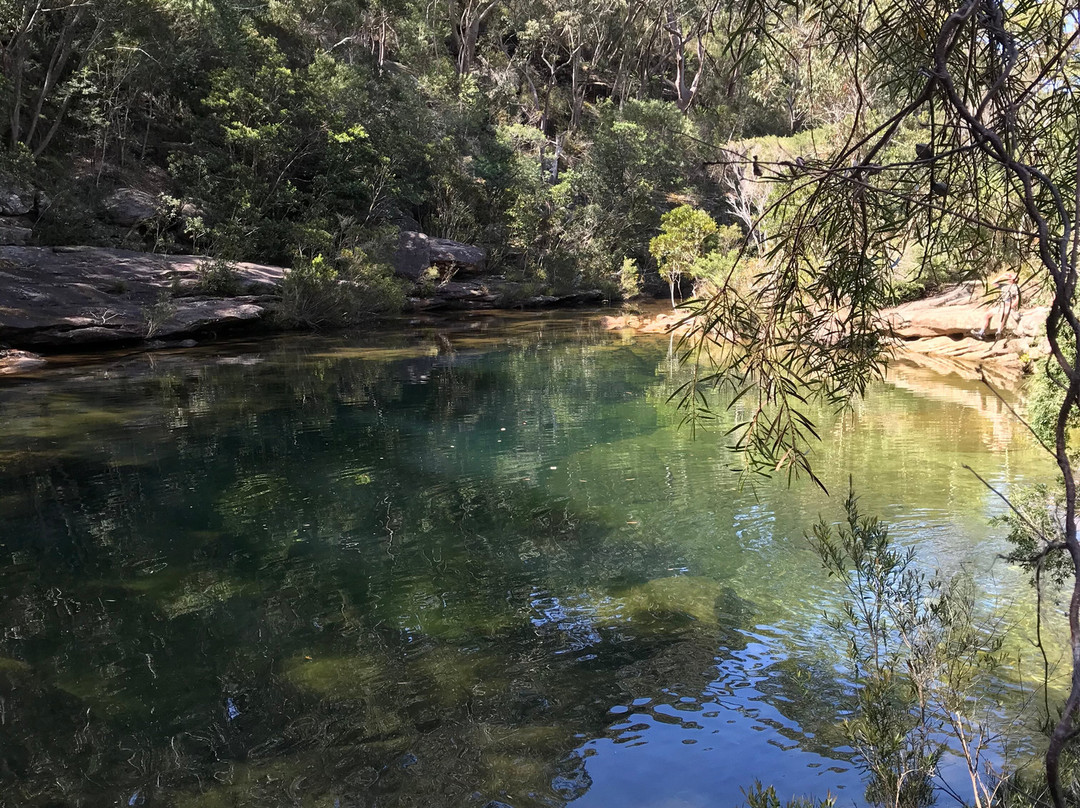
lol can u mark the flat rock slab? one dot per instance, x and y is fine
(958, 311)
(64, 296)
(646, 324)
(13, 361)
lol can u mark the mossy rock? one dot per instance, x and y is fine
(340, 678)
(12, 668)
(679, 598)
(455, 674)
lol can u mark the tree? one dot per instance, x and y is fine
(681, 242)
(990, 91)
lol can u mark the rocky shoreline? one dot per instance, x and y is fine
(65, 299)
(938, 331)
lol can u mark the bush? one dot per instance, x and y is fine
(157, 314)
(925, 661)
(217, 277)
(321, 294)
(629, 279)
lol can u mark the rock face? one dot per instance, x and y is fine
(129, 207)
(417, 252)
(79, 296)
(942, 326)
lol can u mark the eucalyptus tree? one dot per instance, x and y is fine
(970, 147)
(43, 48)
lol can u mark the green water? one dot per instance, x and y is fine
(442, 567)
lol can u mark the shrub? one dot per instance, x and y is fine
(321, 294)
(683, 233)
(217, 277)
(629, 279)
(158, 313)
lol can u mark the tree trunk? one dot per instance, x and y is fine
(60, 55)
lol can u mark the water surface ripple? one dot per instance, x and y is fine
(439, 568)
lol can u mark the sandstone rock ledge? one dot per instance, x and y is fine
(12, 361)
(662, 323)
(942, 325)
(58, 297)
(938, 328)
(55, 299)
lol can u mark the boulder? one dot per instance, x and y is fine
(416, 252)
(12, 361)
(453, 254)
(129, 207)
(15, 201)
(189, 210)
(413, 255)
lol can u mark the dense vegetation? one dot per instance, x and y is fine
(554, 134)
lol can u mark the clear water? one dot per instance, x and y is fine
(440, 567)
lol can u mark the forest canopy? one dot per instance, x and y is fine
(554, 134)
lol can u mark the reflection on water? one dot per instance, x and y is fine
(440, 569)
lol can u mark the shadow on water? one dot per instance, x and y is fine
(436, 568)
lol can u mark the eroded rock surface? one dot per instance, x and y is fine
(944, 326)
(130, 206)
(416, 252)
(76, 296)
(13, 361)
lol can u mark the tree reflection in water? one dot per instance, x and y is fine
(414, 570)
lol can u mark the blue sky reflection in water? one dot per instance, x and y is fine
(443, 567)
